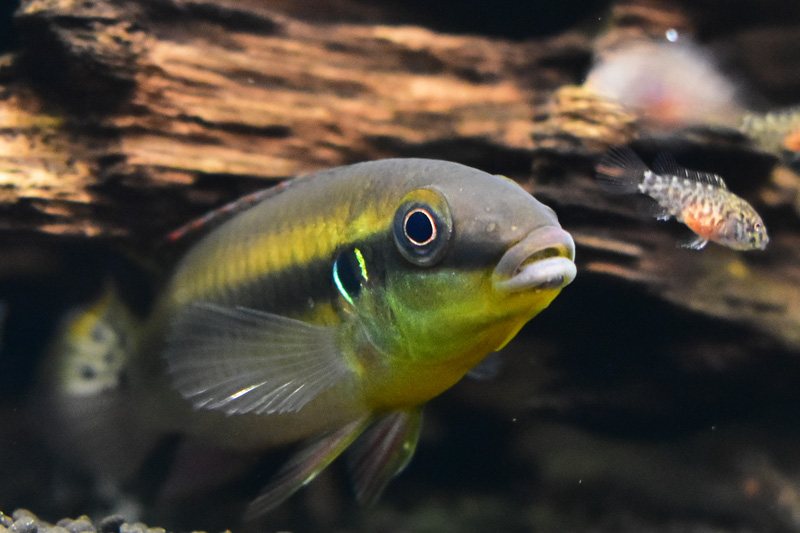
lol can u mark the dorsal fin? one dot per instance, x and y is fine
(707, 177)
(620, 170)
(665, 165)
(217, 216)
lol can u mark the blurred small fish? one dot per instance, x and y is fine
(776, 132)
(668, 84)
(700, 200)
(91, 347)
(335, 307)
(79, 401)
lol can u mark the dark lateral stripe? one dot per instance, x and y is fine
(291, 290)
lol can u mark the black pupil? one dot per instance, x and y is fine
(419, 227)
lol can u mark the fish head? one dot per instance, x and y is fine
(472, 258)
(743, 229)
(90, 348)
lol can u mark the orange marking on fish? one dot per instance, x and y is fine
(706, 226)
(792, 141)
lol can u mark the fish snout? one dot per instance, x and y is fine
(542, 260)
(760, 241)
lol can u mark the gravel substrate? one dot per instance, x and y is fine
(24, 521)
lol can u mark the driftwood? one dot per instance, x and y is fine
(126, 120)
(173, 102)
(120, 121)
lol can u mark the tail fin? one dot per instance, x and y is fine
(620, 171)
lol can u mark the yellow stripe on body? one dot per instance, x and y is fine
(258, 242)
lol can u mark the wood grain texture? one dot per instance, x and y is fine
(125, 120)
(155, 97)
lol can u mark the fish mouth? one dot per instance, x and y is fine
(542, 260)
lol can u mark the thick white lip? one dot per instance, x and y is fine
(520, 268)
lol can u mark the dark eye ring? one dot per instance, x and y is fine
(419, 227)
(422, 226)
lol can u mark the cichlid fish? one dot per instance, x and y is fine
(337, 306)
(700, 200)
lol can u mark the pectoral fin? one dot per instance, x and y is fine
(304, 467)
(696, 243)
(241, 360)
(649, 207)
(487, 369)
(383, 452)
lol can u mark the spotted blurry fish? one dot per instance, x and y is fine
(777, 132)
(79, 401)
(91, 346)
(700, 200)
(774, 132)
(336, 307)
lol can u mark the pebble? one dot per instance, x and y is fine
(24, 521)
(26, 524)
(111, 524)
(24, 513)
(81, 525)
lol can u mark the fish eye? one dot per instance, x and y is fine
(757, 227)
(422, 226)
